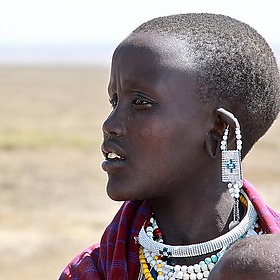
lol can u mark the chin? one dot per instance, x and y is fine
(115, 197)
(125, 188)
(117, 194)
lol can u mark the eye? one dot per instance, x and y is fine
(114, 101)
(141, 103)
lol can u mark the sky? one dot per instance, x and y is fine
(88, 30)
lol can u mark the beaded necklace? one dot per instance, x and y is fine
(203, 248)
(154, 260)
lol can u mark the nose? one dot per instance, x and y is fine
(114, 125)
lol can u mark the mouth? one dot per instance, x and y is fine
(114, 157)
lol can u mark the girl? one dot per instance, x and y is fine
(190, 96)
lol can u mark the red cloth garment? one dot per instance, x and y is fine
(116, 257)
(269, 219)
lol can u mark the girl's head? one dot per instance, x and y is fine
(168, 78)
(157, 125)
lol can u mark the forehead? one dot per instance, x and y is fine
(161, 51)
(153, 65)
(150, 60)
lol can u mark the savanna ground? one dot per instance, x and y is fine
(52, 190)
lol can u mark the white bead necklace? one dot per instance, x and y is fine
(203, 248)
(200, 270)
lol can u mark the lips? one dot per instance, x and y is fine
(114, 157)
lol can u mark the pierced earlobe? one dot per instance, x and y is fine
(214, 137)
(212, 144)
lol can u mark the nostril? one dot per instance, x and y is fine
(113, 126)
(106, 136)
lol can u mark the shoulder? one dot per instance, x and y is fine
(252, 258)
(110, 256)
(84, 265)
(98, 260)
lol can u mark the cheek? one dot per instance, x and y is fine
(156, 139)
(152, 130)
(152, 142)
(146, 133)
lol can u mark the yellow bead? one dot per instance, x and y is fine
(147, 274)
(145, 266)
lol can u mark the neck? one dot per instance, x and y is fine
(193, 218)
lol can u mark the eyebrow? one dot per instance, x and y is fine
(127, 84)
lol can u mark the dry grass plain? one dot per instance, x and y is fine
(52, 190)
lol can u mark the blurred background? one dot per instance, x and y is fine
(54, 66)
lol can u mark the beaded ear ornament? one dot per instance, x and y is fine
(231, 166)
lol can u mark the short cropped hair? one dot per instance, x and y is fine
(235, 65)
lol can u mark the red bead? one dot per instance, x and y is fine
(258, 229)
(157, 233)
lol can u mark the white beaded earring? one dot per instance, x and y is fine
(231, 166)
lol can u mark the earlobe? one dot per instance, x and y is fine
(214, 136)
(212, 144)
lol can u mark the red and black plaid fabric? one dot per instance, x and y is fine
(116, 257)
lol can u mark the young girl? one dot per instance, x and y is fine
(190, 96)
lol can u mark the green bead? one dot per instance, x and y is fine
(214, 258)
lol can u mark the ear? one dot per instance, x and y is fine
(215, 135)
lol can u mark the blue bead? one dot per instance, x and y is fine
(214, 258)
(208, 260)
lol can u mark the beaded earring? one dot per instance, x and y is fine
(231, 166)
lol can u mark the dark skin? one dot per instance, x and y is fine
(253, 258)
(167, 141)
